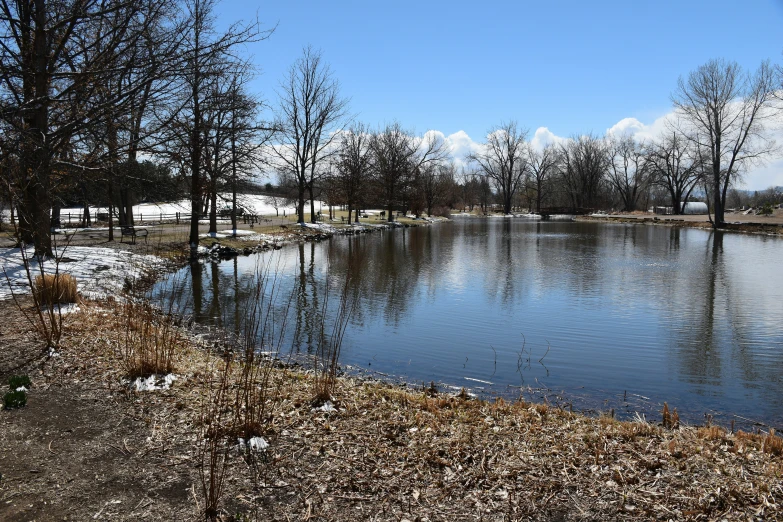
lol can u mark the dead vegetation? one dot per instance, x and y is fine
(385, 453)
(51, 289)
(148, 343)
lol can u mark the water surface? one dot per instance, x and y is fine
(592, 316)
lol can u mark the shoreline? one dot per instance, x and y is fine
(593, 406)
(748, 227)
(379, 452)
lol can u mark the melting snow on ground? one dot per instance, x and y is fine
(255, 443)
(62, 308)
(99, 272)
(154, 382)
(323, 227)
(326, 407)
(230, 233)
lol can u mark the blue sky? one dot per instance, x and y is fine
(573, 67)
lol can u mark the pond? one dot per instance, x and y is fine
(591, 316)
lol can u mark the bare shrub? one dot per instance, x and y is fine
(262, 333)
(442, 212)
(711, 433)
(150, 342)
(671, 420)
(48, 290)
(329, 345)
(214, 444)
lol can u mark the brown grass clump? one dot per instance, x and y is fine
(711, 433)
(671, 420)
(773, 444)
(52, 289)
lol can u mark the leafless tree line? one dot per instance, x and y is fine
(88, 88)
(391, 168)
(722, 115)
(582, 172)
(91, 90)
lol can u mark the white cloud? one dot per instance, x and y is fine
(758, 177)
(627, 127)
(543, 137)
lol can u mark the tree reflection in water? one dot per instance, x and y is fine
(675, 314)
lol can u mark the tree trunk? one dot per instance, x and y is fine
(86, 220)
(111, 213)
(55, 215)
(233, 174)
(538, 197)
(312, 204)
(300, 206)
(195, 143)
(213, 208)
(717, 203)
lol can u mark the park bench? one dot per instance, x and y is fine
(133, 232)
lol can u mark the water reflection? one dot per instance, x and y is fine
(682, 315)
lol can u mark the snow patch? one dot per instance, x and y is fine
(99, 272)
(63, 308)
(326, 407)
(230, 233)
(154, 382)
(323, 227)
(255, 444)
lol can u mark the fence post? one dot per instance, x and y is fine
(176, 216)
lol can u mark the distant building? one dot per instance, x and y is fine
(694, 207)
(691, 207)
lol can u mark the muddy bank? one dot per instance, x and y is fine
(770, 227)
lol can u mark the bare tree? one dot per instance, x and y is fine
(233, 137)
(504, 161)
(584, 163)
(310, 114)
(470, 189)
(725, 110)
(353, 166)
(435, 183)
(204, 55)
(56, 59)
(628, 171)
(542, 166)
(397, 155)
(674, 166)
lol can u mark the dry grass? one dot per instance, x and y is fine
(148, 343)
(671, 420)
(773, 444)
(50, 289)
(390, 453)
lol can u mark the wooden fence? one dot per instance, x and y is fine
(77, 218)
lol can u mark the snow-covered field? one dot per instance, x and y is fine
(99, 272)
(253, 204)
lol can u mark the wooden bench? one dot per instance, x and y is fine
(133, 232)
